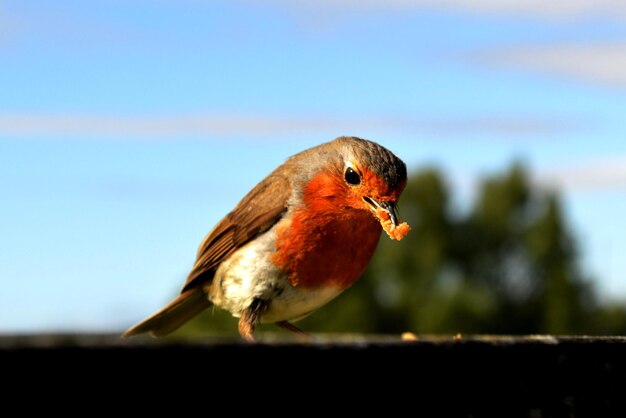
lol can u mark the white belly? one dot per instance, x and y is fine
(248, 274)
(295, 303)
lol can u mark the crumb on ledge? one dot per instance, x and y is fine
(408, 336)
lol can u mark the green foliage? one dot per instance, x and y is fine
(508, 265)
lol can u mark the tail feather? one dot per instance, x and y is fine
(187, 305)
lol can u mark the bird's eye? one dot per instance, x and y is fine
(352, 177)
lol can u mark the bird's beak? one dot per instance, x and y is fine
(389, 208)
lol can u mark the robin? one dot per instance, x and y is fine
(298, 239)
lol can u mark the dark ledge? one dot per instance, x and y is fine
(534, 376)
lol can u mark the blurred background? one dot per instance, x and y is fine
(128, 128)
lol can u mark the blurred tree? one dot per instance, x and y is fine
(508, 265)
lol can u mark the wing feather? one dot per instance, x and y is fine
(257, 212)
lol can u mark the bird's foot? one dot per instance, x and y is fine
(291, 327)
(249, 318)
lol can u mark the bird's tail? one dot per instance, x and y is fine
(187, 305)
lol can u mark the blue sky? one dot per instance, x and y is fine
(128, 128)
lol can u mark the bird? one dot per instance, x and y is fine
(297, 240)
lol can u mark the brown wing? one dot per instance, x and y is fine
(257, 212)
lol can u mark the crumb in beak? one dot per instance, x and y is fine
(396, 232)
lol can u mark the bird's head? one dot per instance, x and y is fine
(373, 176)
(357, 174)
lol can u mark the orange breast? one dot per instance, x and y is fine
(326, 242)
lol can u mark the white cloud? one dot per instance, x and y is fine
(601, 63)
(539, 8)
(85, 126)
(112, 125)
(553, 9)
(601, 174)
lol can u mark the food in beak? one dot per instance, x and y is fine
(386, 214)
